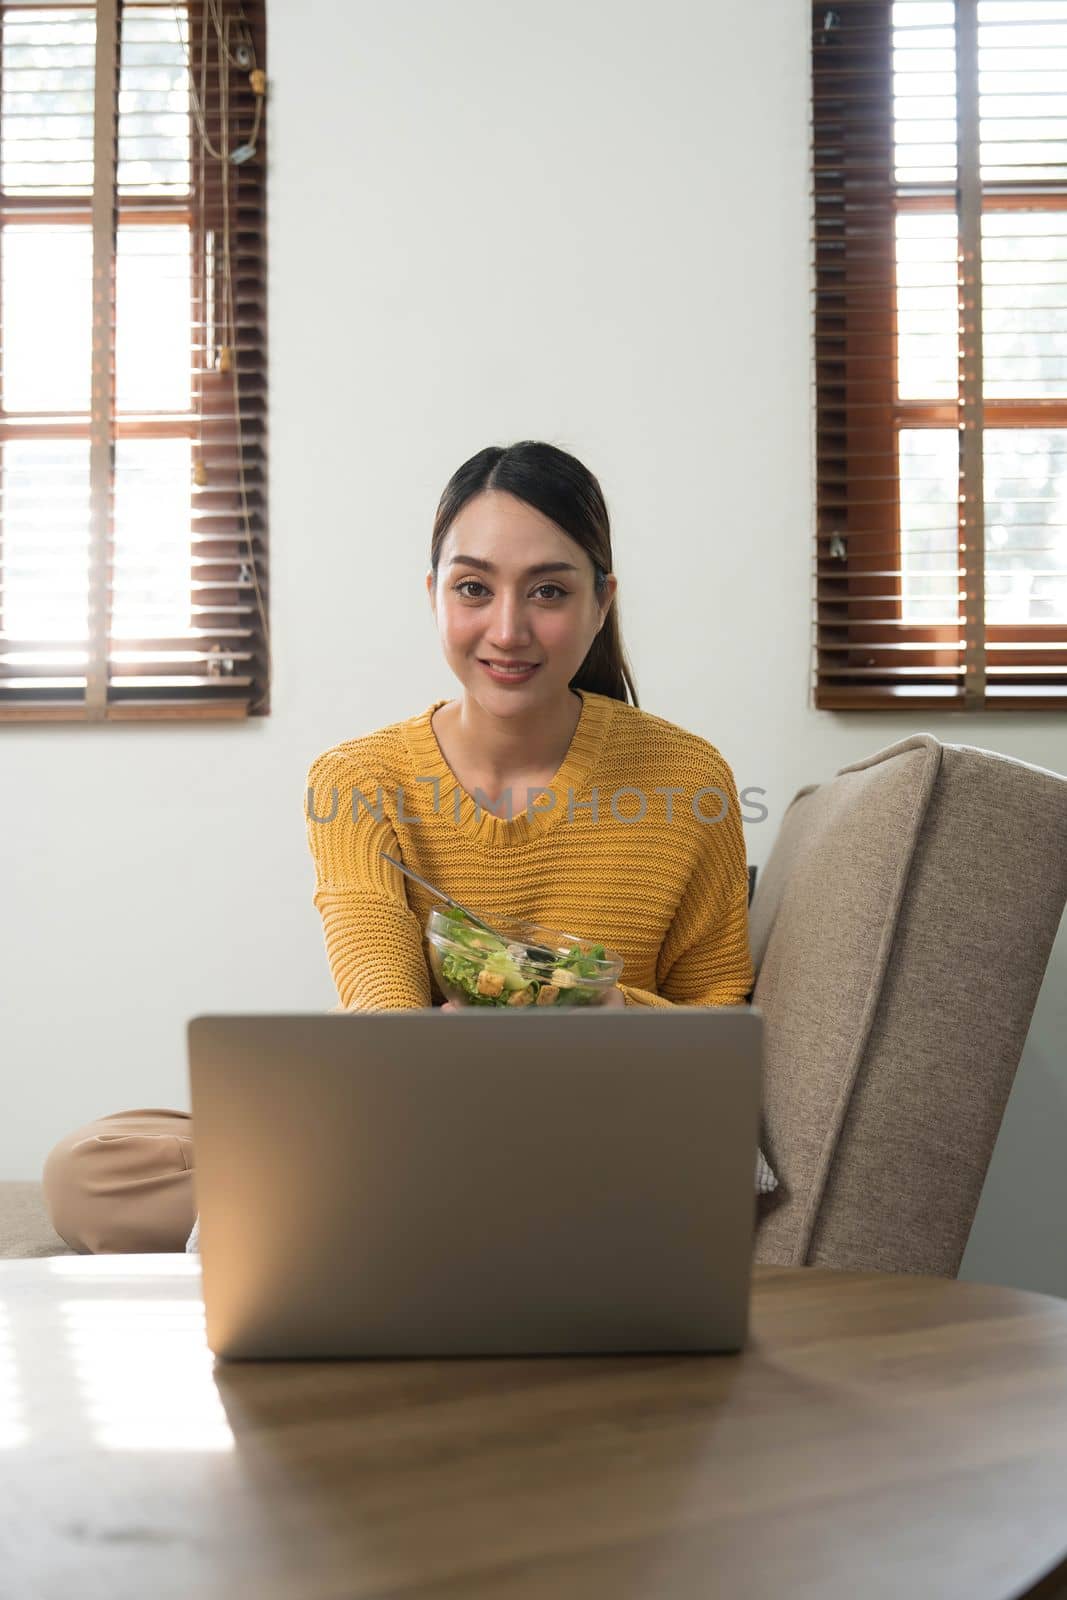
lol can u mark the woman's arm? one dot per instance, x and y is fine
(706, 959)
(374, 942)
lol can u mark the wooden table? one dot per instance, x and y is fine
(881, 1436)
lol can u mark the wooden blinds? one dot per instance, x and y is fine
(133, 471)
(939, 145)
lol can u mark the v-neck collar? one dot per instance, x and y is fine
(580, 761)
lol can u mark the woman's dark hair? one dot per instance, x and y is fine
(557, 485)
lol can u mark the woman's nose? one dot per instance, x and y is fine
(506, 623)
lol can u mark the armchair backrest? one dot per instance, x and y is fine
(900, 931)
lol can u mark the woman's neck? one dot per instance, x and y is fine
(501, 749)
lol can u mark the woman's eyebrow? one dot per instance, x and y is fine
(487, 566)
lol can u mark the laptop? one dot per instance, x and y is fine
(407, 1183)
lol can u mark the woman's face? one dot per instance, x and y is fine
(490, 606)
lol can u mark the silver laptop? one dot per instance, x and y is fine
(409, 1183)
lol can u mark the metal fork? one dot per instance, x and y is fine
(534, 952)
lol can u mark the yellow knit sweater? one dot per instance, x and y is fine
(667, 889)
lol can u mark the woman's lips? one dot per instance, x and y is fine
(502, 675)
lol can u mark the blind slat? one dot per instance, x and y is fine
(187, 681)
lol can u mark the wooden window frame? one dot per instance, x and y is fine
(228, 531)
(858, 598)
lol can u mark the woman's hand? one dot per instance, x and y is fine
(450, 1005)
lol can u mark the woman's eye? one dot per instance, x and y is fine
(472, 583)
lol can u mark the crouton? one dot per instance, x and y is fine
(521, 997)
(490, 983)
(564, 979)
(547, 996)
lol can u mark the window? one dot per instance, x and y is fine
(133, 575)
(939, 141)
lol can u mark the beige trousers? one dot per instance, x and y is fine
(123, 1183)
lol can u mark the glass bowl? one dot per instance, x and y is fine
(474, 969)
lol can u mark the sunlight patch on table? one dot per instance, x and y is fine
(144, 1374)
(12, 1424)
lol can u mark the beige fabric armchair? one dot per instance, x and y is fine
(900, 931)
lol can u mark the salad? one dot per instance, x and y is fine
(475, 969)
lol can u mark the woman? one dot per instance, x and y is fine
(540, 795)
(543, 794)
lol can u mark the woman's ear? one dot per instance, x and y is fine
(611, 583)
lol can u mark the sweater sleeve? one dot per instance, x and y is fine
(714, 969)
(706, 959)
(374, 942)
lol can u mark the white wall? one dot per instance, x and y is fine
(580, 222)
